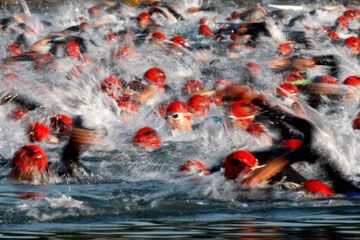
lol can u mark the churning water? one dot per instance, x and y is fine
(134, 193)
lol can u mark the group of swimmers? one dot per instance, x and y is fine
(246, 109)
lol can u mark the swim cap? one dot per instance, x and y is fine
(111, 85)
(61, 124)
(14, 49)
(352, 14)
(179, 40)
(73, 50)
(126, 103)
(256, 129)
(328, 79)
(352, 81)
(286, 48)
(352, 42)
(203, 21)
(156, 76)
(158, 36)
(192, 86)
(199, 105)
(94, 11)
(333, 36)
(205, 30)
(342, 22)
(147, 137)
(178, 107)
(292, 144)
(28, 161)
(318, 187)
(356, 123)
(17, 114)
(253, 68)
(243, 110)
(287, 89)
(239, 162)
(39, 132)
(194, 166)
(144, 16)
(292, 77)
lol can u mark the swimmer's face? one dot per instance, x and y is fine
(179, 121)
(143, 23)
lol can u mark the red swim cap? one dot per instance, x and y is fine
(14, 49)
(73, 50)
(61, 124)
(318, 187)
(144, 16)
(179, 40)
(126, 103)
(17, 114)
(286, 48)
(158, 36)
(147, 137)
(356, 123)
(328, 79)
(156, 76)
(333, 36)
(28, 161)
(94, 11)
(352, 14)
(243, 110)
(352, 81)
(292, 144)
(287, 89)
(343, 23)
(194, 166)
(292, 77)
(192, 86)
(39, 132)
(199, 105)
(352, 42)
(177, 107)
(253, 68)
(205, 30)
(111, 85)
(238, 162)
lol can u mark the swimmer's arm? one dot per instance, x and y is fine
(331, 90)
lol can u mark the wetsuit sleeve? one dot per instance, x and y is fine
(340, 184)
(70, 158)
(26, 103)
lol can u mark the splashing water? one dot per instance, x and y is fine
(132, 184)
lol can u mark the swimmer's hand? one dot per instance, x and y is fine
(291, 185)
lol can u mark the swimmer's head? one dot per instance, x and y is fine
(61, 124)
(292, 77)
(178, 117)
(192, 86)
(239, 164)
(199, 105)
(147, 138)
(352, 81)
(318, 187)
(143, 20)
(39, 132)
(73, 50)
(242, 113)
(128, 107)
(28, 162)
(179, 41)
(288, 90)
(194, 166)
(156, 76)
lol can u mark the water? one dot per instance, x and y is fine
(134, 193)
